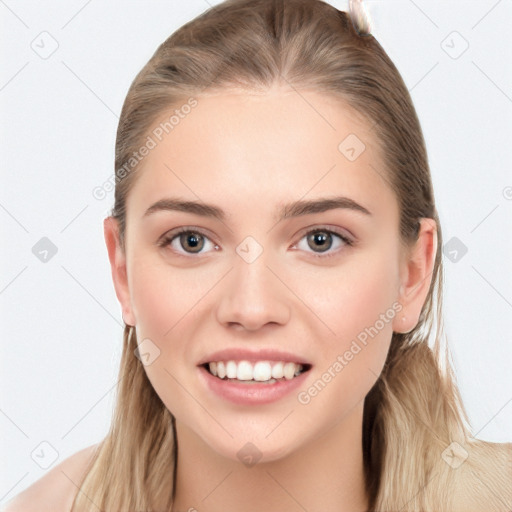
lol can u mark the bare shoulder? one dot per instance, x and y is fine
(484, 479)
(55, 490)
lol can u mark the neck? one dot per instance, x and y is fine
(327, 474)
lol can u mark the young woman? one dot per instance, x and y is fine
(276, 250)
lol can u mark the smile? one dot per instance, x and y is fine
(253, 382)
(259, 371)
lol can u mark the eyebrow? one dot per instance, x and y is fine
(294, 209)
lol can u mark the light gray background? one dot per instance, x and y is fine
(61, 321)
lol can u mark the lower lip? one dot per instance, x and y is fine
(251, 394)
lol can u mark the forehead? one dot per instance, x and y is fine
(249, 150)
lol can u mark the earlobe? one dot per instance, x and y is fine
(416, 277)
(117, 258)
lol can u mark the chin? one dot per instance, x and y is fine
(251, 449)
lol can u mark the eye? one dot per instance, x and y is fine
(189, 240)
(322, 238)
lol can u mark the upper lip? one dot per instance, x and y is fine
(243, 354)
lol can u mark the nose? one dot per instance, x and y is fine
(253, 297)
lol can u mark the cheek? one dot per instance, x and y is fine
(355, 305)
(358, 308)
(353, 296)
(165, 303)
(164, 298)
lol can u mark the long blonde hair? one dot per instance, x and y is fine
(413, 412)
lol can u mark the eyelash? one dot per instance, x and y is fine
(168, 239)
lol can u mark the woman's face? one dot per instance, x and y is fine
(267, 279)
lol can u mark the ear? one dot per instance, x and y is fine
(117, 258)
(416, 275)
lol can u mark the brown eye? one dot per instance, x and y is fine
(320, 240)
(185, 241)
(192, 240)
(324, 243)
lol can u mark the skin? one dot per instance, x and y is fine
(250, 154)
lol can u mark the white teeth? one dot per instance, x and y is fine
(231, 369)
(289, 371)
(244, 370)
(261, 371)
(221, 370)
(277, 371)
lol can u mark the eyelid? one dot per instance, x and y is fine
(169, 236)
(342, 233)
(347, 240)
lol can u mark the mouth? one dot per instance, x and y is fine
(255, 372)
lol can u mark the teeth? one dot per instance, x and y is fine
(231, 369)
(221, 370)
(277, 371)
(243, 371)
(289, 371)
(261, 371)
